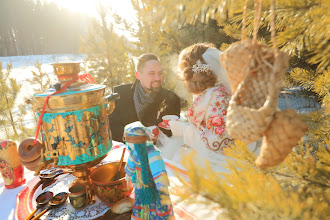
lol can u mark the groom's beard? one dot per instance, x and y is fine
(154, 87)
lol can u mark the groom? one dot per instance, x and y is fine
(145, 100)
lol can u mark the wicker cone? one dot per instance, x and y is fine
(282, 135)
(235, 60)
(253, 105)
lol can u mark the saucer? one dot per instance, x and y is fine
(163, 125)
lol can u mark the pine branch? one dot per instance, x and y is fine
(298, 178)
(297, 8)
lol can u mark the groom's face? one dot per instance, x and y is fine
(151, 76)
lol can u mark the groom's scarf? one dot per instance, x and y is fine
(142, 100)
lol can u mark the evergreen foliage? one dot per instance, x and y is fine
(318, 135)
(297, 189)
(148, 30)
(40, 78)
(107, 53)
(11, 115)
(302, 29)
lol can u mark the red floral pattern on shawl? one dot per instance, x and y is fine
(208, 114)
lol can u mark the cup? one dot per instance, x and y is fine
(167, 118)
(153, 132)
(78, 196)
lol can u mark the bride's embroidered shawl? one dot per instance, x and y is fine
(208, 115)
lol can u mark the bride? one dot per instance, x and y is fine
(203, 75)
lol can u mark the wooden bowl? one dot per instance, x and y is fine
(107, 189)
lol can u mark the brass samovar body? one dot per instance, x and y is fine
(75, 127)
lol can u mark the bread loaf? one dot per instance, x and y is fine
(123, 206)
(27, 151)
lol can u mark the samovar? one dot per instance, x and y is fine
(74, 124)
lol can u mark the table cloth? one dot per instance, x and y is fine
(17, 203)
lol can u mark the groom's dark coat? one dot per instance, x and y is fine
(166, 103)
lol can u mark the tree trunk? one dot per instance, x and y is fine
(12, 123)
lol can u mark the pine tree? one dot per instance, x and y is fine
(11, 116)
(40, 78)
(107, 52)
(148, 30)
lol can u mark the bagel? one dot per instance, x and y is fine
(33, 165)
(27, 151)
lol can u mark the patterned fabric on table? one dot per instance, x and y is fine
(161, 209)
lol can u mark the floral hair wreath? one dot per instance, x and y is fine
(200, 67)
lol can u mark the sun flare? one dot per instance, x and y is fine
(123, 8)
(89, 7)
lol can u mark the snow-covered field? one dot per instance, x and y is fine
(24, 65)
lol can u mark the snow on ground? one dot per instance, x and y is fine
(24, 65)
(294, 98)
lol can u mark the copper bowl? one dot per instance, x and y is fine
(107, 189)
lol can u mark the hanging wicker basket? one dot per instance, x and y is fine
(256, 73)
(235, 60)
(282, 135)
(252, 107)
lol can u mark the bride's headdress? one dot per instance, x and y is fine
(212, 57)
(200, 67)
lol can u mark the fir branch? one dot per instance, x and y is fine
(297, 8)
(298, 178)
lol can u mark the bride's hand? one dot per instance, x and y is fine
(177, 127)
(153, 132)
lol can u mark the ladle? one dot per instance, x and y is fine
(56, 201)
(120, 164)
(41, 200)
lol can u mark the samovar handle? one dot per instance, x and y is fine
(110, 99)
